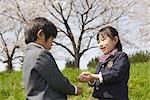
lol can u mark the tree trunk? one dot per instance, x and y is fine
(9, 66)
(77, 61)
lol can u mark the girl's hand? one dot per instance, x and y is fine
(86, 77)
(90, 77)
(82, 78)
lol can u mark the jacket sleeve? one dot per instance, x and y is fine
(119, 70)
(48, 69)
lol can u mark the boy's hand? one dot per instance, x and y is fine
(79, 91)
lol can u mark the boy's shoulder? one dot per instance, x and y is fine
(45, 54)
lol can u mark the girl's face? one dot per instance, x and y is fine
(107, 44)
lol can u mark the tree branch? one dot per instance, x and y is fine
(70, 10)
(17, 57)
(87, 50)
(22, 16)
(53, 14)
(5, 46)
(64, 48)
(11, 17)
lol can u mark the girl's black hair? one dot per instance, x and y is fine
(35, 25)
(110, 32)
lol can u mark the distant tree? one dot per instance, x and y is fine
(9, 46)
(93, 63)
(78, 21)
(11, 37)
(140, 57)
(69, 64)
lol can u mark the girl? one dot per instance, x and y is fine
(111, 77)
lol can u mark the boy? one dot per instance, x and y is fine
(42, 78)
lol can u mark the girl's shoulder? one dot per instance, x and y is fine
(121, 57)
(121, 54)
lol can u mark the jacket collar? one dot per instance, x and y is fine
(105, 57)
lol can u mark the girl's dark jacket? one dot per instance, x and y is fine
(115, 73)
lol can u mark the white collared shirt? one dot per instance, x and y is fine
(37, 45)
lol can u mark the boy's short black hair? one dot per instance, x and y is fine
(35, 25)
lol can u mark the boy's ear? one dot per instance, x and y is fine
(40, 33)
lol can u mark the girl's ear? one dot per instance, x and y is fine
(116, 39)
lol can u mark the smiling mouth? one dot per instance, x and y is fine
(102, 48)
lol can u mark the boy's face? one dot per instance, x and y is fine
(48, 44)
(41, 40)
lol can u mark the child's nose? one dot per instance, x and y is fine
(100, 45)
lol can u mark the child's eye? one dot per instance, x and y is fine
(102, 39)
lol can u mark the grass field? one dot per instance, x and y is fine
(11, 85)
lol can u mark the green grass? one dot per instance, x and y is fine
(11, 85)
(139, 83)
